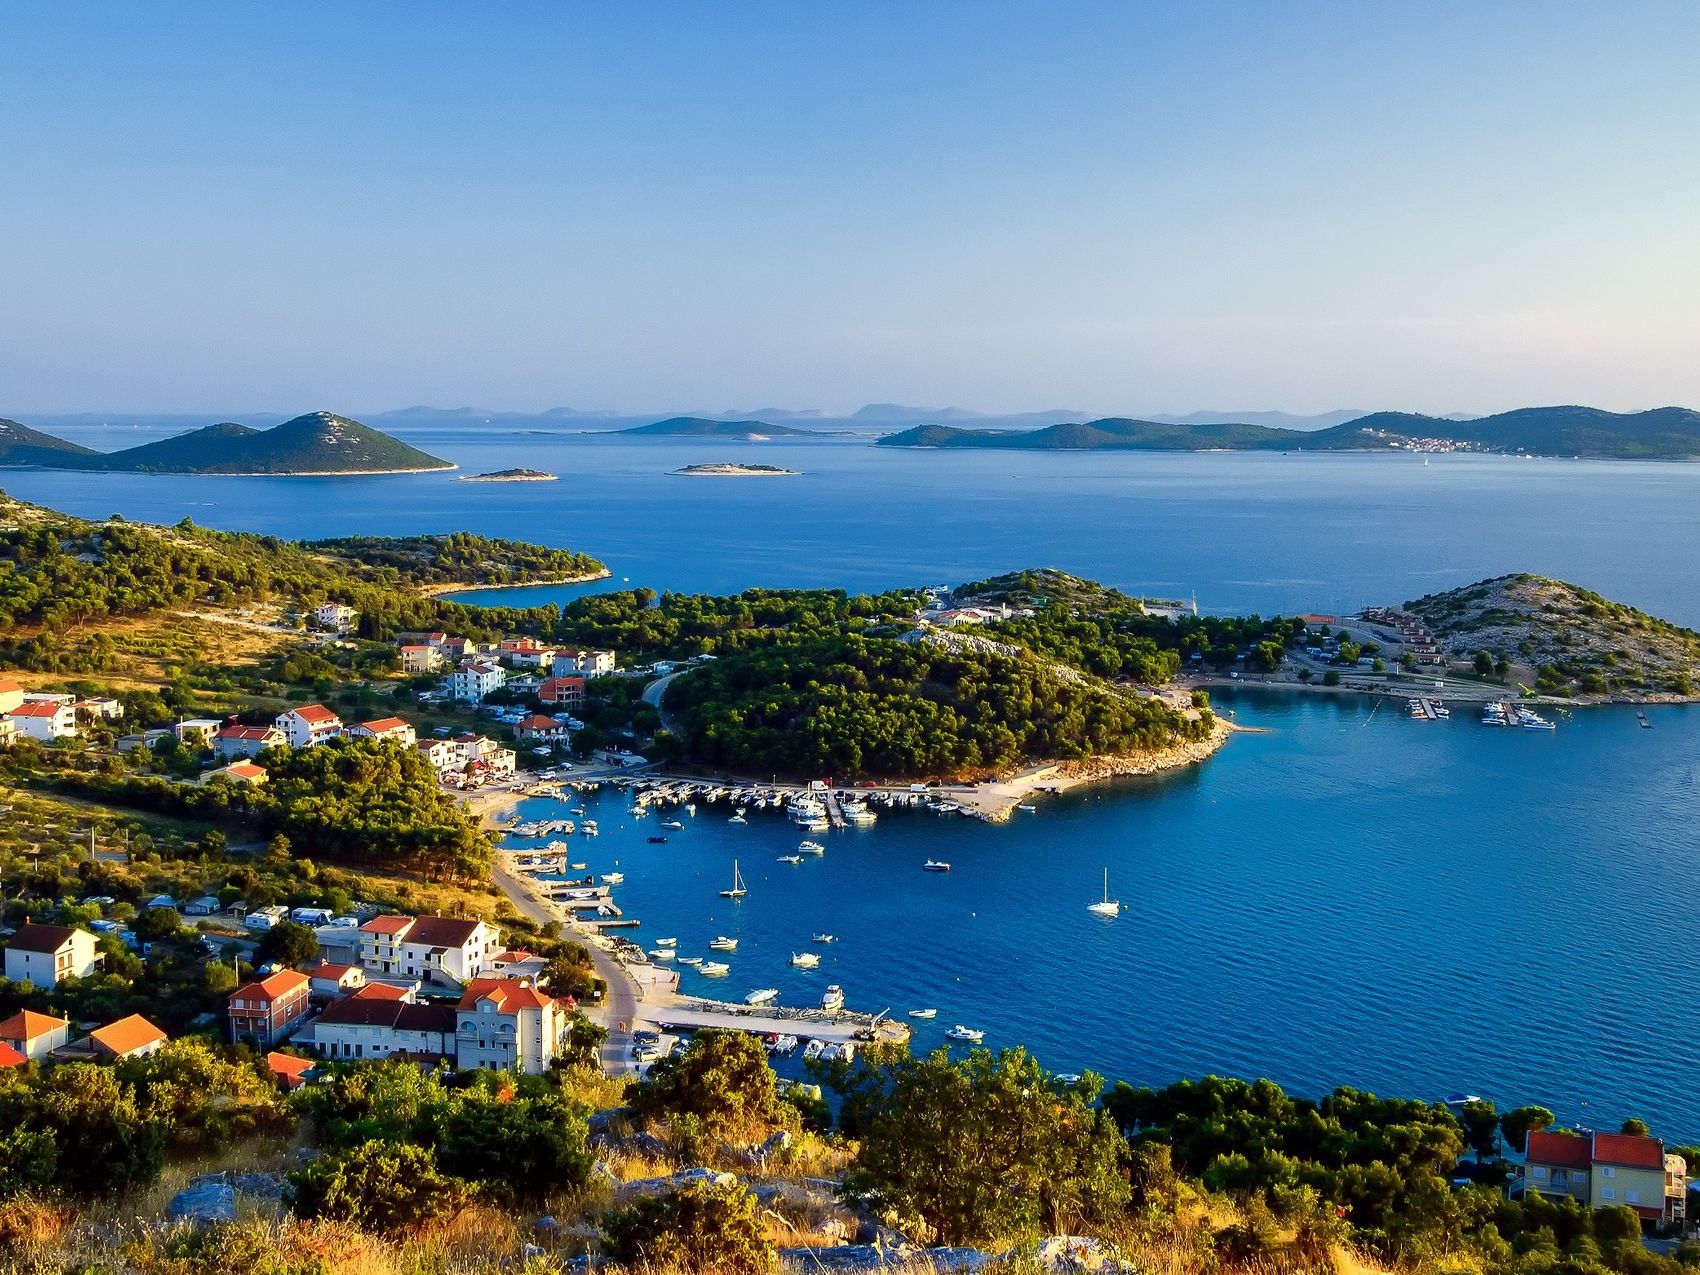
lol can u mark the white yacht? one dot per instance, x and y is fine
(935, 865)
(832, 999)
(811, 847)
(814, 1049)
(737, 891)
(821, 936)
(805, 960)
(923, 1013)
(789, 858)
(720, 943)
(959, 1032)
(1109, 906)
(613, 878)
(715, 969)
(672, 825)
(762, 996)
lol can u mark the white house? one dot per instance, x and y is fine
(450, 949)
(103, 707)
(472, 680)
(392, 729)
(34, 1035)
(241, 771)
(589, 663)
(418, 658)
(439, 752)
(11, 695)
(236, 740)
(482, 756)
(44, 954)
(198, 732)
(509, 1025)
(131, 1037)
(373, 1024)
(334, 615)
(8, 730)
(44, 721)
(308, 725)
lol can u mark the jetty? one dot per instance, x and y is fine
(835, 1027)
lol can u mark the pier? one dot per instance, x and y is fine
(841, 1027)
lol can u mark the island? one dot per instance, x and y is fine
(702, 427)
(510, 476)
(317, 444)
(1666, 433)
(726, 469)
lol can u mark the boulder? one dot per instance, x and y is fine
(869, 1257)
(672, 1182)
(204, 1201)
(261, 1186)
(1069, 1254)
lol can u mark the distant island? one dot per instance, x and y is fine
(510, 476)
(727, 470)
(317, 443)
(1665, 433)
(700, 427)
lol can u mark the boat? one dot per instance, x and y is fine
(789, 858)
(691, 808)
(738, 818)
(658, 841)
(690, 960)
(720, 943)
(1109, 906)
(715, 969)
(805, 960)
(786, 1044)
(579, 867)
(959, 1032)
(762, 996)
(673, 825)
(814, 1049)
(923, 1013)
(811, 847)
(935, 865)
(588, 828)
(1641, 719)
(613, 878)
(1027, 809)
(666, 942)
(823, 937)
(832, 999)
(737, 891)
(662, 954)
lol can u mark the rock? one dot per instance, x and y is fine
(1068, 1254)
(656, 1186)
(777, 1145)
(601, 1125)
(871, 1232)
(601, 1170)
(547, 1223)
(263, 1186)
(869, 1257)
(204, 1201)
(645, 1144)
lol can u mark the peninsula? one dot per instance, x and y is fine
(510, 476)
(1666, 433)
(317, 444)
(727, 469)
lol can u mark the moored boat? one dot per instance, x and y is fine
(762, 996)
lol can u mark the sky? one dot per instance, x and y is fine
(1113, 207)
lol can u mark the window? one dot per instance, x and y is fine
(1606, 1171)
(1608, 1193)
(1633, 1197)
(1540, 1170)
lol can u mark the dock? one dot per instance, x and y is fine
(834, 811)
(841, 1027)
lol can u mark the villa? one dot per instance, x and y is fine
(308, 725)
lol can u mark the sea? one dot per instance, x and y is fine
(1344, 896)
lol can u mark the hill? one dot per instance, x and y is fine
(1665, 433)
(1571, 639)
(21, 445)
(317, 443)
(701, 427)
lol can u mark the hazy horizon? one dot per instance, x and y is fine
(1118, 208)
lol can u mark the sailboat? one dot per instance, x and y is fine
(1109, 907)
(737, 891)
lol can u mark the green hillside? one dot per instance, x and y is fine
(700, 427)
(21, 445)
(317, 443)
(1122, 434)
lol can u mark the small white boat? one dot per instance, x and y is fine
(923, 1013)
(662, 954)
(588, 828)
(673, 825)
(578, 867)
(691, 808)
(813, 1050)
(1109, 906)
(737, 891)
(690, 960)
(935, 865)
(762, 996)
(738, 818)
(832, 999)
(720, 943)
(1027, 809)
(824, 937)
(715, 969)
(613, 878)
(666, 942)
(811, 847)
(789, 858)
(786, 1044)
(805, 960)
(959, 1032)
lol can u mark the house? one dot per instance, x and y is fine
(518, 963)
(334, 615)
(10, 1057)
(45, 954)
(590, 663)
(542, 730)
(507, 1024)
(483, 758)
(237, 740)
(103, 708)
(392, 729)
(308, 725)
(268, 1009)
(34, 1035)
(11, 695)
(439, 752)
(197, 732)
(1601, 1170)
(8, 730)
(44, 721)
(449, 949)
(290, 1071)
(526, 652)
(127, 1038)
(363, 1026)
(472, 680)
(206, 905)
(330, 981)
(417, 658)
(562, 692)
(238, 772)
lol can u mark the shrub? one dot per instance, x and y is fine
(699, 1227)
(385, 1187)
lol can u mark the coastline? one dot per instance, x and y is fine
(467, 586)
(1462, 692)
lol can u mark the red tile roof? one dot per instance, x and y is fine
(8, 687)
(127, 1035)
(272, 986)
(247, 732)
(37, 709)
(40, 938)
(315, 714)
(27, 1025)
(512, 956)
(1631, 1151)
(510, 994)
(10, 1057)
(441, 931)
(1562, 1150)
(381, 992)
(386, 924)
(360, 1011)
(327, 970)
(384, 724)
(243, 770)
(291, 1070)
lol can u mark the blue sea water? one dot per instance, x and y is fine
(1349, 897)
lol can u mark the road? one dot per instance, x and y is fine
(653, 693)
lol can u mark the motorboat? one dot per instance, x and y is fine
(578, 867)
(923, 1013)
(1027, 809)
(805, 960)
(823, 937)
(657, 841)
(811, 847)
(762, 996)
(786, 1044)
(613, 878)
(666, 942)
(715, 969)
(738, 818)
(813, 1049)
(690, 960)
(720, 943)
(673, 825)
(789, 858)
(738, 889)
(832, 999)
(959, 1032)
(662, 954)
(1108, 906)
(935, 865)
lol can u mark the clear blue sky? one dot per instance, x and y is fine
(1118, 206)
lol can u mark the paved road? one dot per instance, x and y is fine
(653, 693)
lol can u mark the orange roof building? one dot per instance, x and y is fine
(127, 1038)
